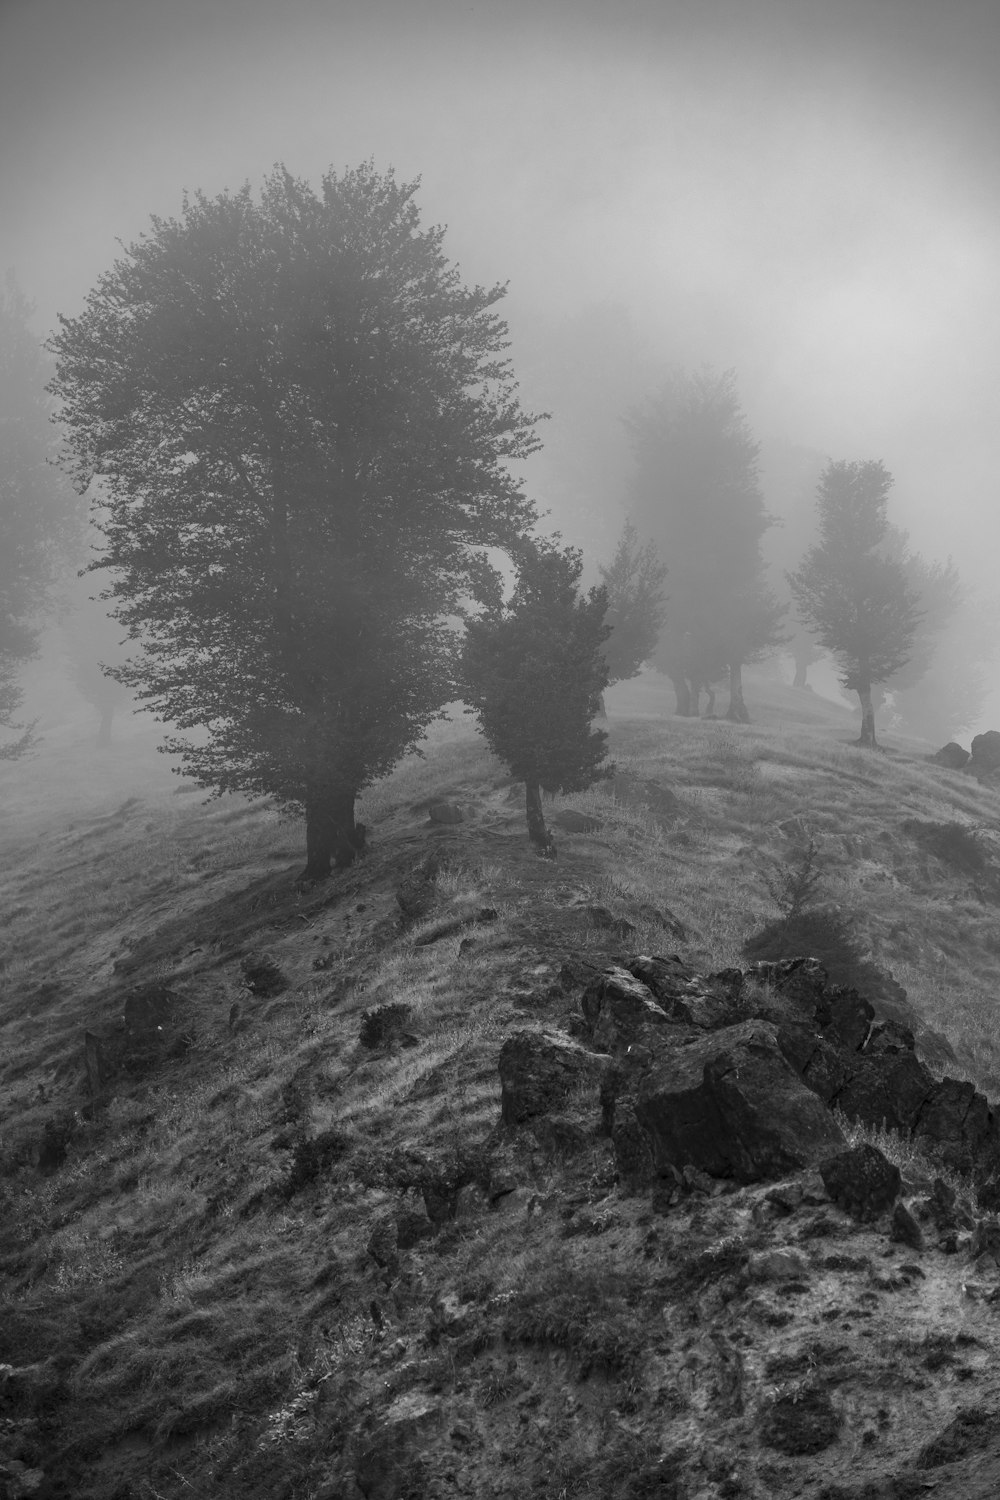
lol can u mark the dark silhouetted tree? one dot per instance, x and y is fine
(695, 492)
(634, 582)
(38, 509)
(92, 646)
(305, 427)
(533, 671)
(857, 598)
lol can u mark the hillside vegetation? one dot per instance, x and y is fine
(275, 1242)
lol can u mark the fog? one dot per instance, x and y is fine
(804, 192)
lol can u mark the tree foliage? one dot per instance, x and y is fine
(857, 598)
(305, 427)
(634, 582)
(696, 493)
(534, 671)
(38, 511)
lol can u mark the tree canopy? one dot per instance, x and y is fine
(305, 428)
(696, 493)
(38, 510)
(855, 595)
(534, 671)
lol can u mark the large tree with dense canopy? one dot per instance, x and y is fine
(301, 429)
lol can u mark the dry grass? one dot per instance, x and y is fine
(197, 1288)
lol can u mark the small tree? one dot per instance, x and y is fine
(533, 671)
(857, 599)
(307, 433)
(38, 510)
(633, 581)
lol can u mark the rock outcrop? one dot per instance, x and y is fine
(738, 1075)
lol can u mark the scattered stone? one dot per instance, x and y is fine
(780, 1264)
(862, 1181)
(601, 917)
(786, 1197)
(262, 975)
(571, 821)
(800, 1422)
(445, 812)
(384, 1025)
(697, 1181)
(951, 755)
(383, 1243)
(905, 1229)
(470, 1201)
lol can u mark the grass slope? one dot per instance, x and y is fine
(190, 1302)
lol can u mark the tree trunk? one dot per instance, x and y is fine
(682, 693)
(537, 831)
(104, 732)
(710, 705)
(332, 836)
(602, 707)
(801, 669)
(737, 709)
(867, 717)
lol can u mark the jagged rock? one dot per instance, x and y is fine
(905, 1229)
(951, 755)
(683, 994)
(781, 1263)
(731, 1105)
(986, 1240)
(262, 975)
(445, 812)
(539, 1070)
(986, 750)
(470, 1201)
(571, 821)
(957, 1119)
(619, 1008)
(862, 1181)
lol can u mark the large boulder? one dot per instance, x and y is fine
(862, 1181)
(539, 1071)
(986, 751)
(730, 1104)
(951, 755)
(619, 1008)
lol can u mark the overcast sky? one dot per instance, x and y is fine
(805, 190)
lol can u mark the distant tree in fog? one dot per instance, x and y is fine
(949, 696)
(858, 599)
(790, 475)
(306, 426)
(92, 647)
(38, 509)
(533, 671)
(634, 582)
(696, 493)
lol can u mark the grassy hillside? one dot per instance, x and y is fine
(195, 1296)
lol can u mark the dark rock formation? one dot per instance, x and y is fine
(445, 812)
(986, 751)
(951, 755)
(862, 1181)
(539, 1070)
(730, 1104)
